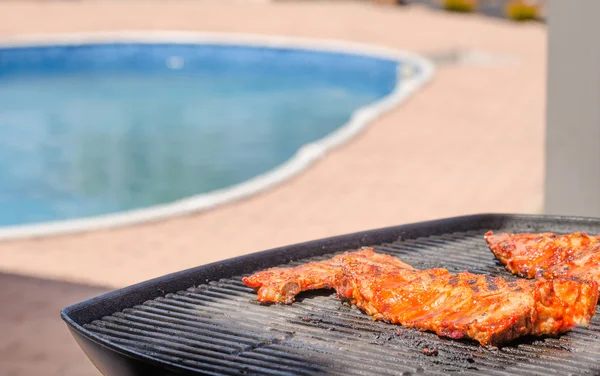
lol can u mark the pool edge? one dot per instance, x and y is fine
(306, 156)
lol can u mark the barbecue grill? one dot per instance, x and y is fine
(206, 321)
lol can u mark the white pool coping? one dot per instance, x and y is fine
(305, 156)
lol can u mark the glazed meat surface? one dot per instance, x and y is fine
(549, 255)
(465, 305)
(281, 285)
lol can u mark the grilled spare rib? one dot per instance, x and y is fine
(548, 255)
(465, 305)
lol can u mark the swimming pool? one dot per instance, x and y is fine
(96, 127)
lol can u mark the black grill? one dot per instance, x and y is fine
(219, 328)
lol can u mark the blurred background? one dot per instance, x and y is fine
(91, 131)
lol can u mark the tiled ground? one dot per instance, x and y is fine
(471, 141)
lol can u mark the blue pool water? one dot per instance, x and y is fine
(97, 129)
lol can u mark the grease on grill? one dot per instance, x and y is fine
(430, 351)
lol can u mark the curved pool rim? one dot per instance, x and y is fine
(415, 72)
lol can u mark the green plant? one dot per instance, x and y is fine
(520, 10)
(460, 5)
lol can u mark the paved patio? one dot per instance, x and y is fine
(471, 141)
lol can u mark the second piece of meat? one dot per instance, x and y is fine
(548, 255)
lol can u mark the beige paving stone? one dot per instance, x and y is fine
(471, 141)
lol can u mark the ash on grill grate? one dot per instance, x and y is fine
(219, 328)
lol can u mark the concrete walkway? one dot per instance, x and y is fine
(471, 141)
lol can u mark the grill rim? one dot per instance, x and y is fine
(99, 349)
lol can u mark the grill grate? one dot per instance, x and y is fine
(219, 328)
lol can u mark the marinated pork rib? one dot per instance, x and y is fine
(575, 255)
(281, 285)
(488, 310)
